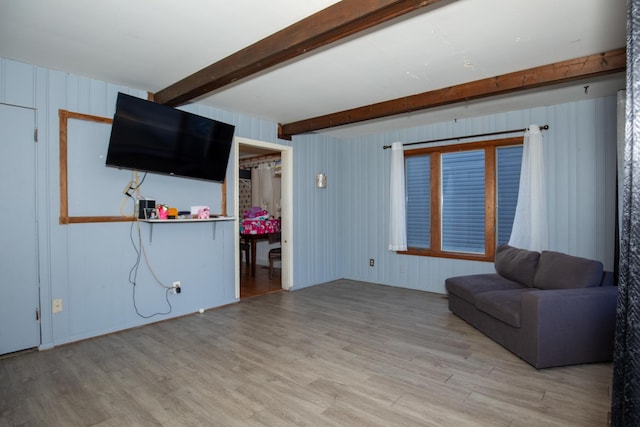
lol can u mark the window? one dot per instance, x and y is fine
(417, 171)
(461, 198)
(508, 182)
(463, 201)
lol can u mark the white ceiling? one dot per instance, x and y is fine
(151, 44)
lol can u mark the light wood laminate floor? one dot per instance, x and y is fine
(339, 354)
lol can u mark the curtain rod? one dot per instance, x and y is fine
(543, 127)
(269, 157)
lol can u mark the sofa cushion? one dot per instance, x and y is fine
(503, 305)
(516, 264)
(561, 271)
(467, 287)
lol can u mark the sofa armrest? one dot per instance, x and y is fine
(568, 326)
(608, 279)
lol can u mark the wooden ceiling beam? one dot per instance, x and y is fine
(557, 73)
(334, 23)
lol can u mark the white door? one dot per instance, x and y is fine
(19, 325)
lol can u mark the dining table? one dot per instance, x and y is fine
(251, 240)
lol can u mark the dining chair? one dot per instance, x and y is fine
(275, 254)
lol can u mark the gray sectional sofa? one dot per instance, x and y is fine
(549, 308)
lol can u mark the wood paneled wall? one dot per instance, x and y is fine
(336, 229)
(87, 265)
(580, 150)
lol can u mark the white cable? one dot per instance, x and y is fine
(134, 185)
(125, 200)
(146, 260)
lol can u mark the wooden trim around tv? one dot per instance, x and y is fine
(64, 117)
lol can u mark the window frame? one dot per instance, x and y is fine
(490, 185)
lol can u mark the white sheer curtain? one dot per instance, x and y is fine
(530, 225)
(397, 218)
(265, 189)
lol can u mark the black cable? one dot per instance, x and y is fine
(166, 295)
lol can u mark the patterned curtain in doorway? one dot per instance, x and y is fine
(266, 189)
(625, 408)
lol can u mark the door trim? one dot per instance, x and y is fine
(286, 153)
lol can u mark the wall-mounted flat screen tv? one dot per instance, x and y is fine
(151, 137)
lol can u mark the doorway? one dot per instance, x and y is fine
(260, 279)
(19, 305)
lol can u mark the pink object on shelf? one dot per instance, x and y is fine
(163, 212)
(203, 213)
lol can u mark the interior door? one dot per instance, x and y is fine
(19, 325)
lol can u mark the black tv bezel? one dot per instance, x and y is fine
(136, 115)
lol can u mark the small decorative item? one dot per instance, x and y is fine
(163, 211)
(203, 212)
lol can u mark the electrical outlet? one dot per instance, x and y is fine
(372, 262)
(56, 305)
(177, 287)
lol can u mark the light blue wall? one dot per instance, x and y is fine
(580, 149)
(318, 214)
(336, 230)
(87, 265)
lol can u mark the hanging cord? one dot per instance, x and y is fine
(125, 200)
(133, 275)
(146, 259)
(132, 188)
(138, 185)
(140, 251)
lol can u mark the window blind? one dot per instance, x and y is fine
(418, 194)
(463, 201)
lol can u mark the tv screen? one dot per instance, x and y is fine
(151, 137)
